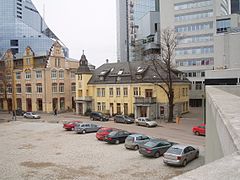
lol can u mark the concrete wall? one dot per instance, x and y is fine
(223, 136)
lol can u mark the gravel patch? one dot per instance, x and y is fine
(46, 151)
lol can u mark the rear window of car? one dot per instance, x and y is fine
(151, 144)
(113, 133)
(129, 138)
(173, 150)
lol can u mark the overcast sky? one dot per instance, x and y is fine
(88, 25)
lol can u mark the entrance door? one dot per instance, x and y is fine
(80, 108)
(29, 104)
(39, 105)
(19, 103)
(111, 109)
(9, 103)
(143, 111)
(54, 103)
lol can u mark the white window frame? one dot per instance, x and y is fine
(38, 74)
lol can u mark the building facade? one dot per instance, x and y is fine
(235, 6)
(132, 31)
(38, 82)
(22, 26)
(127, 88)
(196, 22)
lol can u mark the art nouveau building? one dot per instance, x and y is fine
(37, 82)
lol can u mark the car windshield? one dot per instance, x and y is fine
(33, 113)
(151, 144)
(147, 119)
(101, 130)
(113, 133)
(127, 117)
(174, 150)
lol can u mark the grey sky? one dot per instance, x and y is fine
(88, 25)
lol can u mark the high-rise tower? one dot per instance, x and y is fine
(21, 25)
(134, 21)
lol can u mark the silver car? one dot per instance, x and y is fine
(135, 140)
(145, 121)
(86, 127)
(31, 115)
(180, 155)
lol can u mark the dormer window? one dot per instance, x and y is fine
(101, 78)
(118, 78)
(139, 76)
(120, 72)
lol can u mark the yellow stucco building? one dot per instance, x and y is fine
(127, 88)
(35, 82)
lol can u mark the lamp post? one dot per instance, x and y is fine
(203, 105)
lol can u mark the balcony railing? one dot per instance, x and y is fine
(145, 100)
(85, 98)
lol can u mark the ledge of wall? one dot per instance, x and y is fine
(223, 136)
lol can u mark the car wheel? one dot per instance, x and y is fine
(184, 163)
(137, 124)
(117, 142)
(197, 155)
(136, 147)
(157, 155)
(197, 133)
(83, 131)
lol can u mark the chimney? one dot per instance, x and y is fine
(107, 61)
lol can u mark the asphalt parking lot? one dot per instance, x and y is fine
(41, 150)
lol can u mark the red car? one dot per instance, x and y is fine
(102, 132)
(70, 125)
(199, 130)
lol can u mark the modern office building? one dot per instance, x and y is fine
(235, 6)
(196, 21)
(21, 26)
(132, 31)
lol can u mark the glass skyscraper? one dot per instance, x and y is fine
(21, 25)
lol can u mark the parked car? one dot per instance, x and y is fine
(145, 121)
(98, 116)
(135, 140)
(123, 119)
(86, 127)
(116, 137)
(31, 115)
(103, 132)
(155, 148)
(199, 130)
(70, 125)
(180, 155)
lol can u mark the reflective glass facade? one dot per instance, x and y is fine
(21, 25)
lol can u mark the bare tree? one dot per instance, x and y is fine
(6, 78)
(163, 67)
